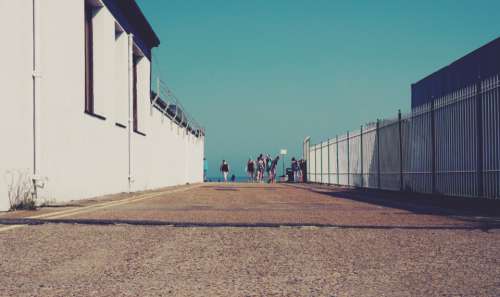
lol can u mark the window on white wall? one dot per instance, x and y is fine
(89, 13)
(89, 59)
(121, 76)
(136, 98)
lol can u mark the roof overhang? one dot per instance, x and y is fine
(132, 20)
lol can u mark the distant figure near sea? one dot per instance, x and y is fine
(224, 168)
(250, 169)
(205, 169)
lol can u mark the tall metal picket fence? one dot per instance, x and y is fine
(449, 147)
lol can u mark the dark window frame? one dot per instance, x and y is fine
(89, 59)
(135, 96)
(134, 93)
(89, 62)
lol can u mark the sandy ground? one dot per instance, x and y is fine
(253, 240)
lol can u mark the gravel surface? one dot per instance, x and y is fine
(349, 247)
(282, 205)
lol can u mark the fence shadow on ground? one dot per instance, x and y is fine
(465, 209)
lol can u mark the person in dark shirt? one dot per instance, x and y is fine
(274, 167)
(251, 170)
(295, 170)
(224, 168)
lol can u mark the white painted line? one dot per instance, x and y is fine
(10, 227)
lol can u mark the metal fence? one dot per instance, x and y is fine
(450, 146)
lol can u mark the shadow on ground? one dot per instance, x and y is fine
(484, 226)
(466, 209)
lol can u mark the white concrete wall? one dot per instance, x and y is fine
(83, 156)
(16, 93)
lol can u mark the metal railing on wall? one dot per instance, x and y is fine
(450, 146)
(164, 100)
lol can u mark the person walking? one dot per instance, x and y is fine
(274, 167)
(295, 170)
(301, 171)
(268, 162)
(251, 170)
(261, 168)
(224, 168)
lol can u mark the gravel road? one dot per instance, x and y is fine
(253, 240)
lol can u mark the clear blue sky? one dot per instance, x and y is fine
(261, 75)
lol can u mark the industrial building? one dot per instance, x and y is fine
(467, 71)
(78, 116)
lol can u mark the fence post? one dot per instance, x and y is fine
(306, 158)
(361, 157)
(433, 143)
(328, 148)
(480, 148)
(338, 174)
(348, 165)
(316, 164)
(308, 173)
(377, 133)
(400, 124)
(321, 161)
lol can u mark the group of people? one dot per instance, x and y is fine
(265, 166)
(257, 169)
(298, 169)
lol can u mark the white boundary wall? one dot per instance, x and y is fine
(80, 156)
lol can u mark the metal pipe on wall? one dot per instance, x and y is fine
(36, 74)
(130, 106)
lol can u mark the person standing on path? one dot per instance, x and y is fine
(251, 170)
(268, 162)
(261, 168)
(295, 170)
(205, 169)
(302, 170)
(224, 168)
(274, 167)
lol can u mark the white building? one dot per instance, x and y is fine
(76, 110)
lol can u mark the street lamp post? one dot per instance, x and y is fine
(283, 153)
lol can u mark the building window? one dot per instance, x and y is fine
(89, 60)
(135, 95)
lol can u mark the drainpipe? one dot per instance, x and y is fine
(130, 106)
(36, 74)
